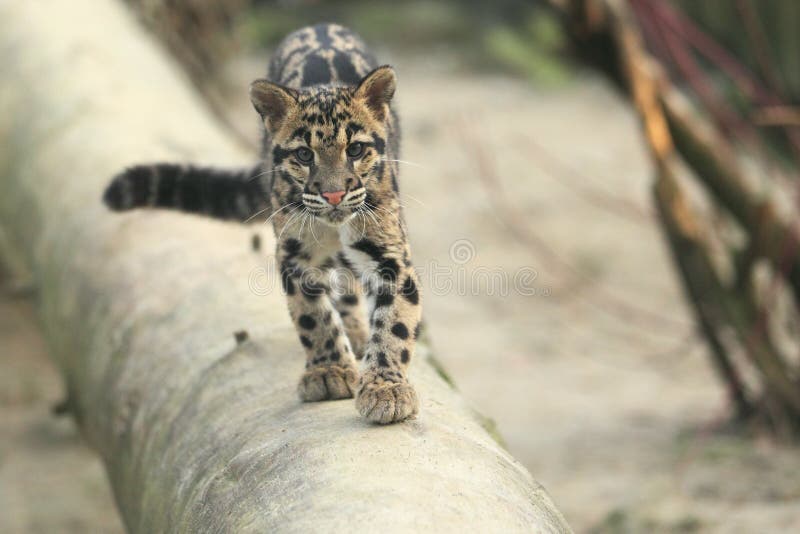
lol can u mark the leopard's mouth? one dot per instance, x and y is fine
(332, 215)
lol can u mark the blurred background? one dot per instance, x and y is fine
(639, 158)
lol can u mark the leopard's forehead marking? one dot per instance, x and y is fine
(326, 117)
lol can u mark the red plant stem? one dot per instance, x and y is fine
(728, 63)
(697, 79)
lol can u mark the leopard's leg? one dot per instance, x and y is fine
(349, 300)
(384, 394)
(331, 371)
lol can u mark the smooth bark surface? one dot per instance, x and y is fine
(199, 434)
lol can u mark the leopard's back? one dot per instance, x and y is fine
(325, 54)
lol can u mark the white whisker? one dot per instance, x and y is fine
(280, 210)
(311, 227)
(406, 162)
(360, 213)
(384, 210)
(259, 212)
(415, 199)
(292, 218)
(374, 216)
(303, 218)
(259, 175)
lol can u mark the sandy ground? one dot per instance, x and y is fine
(50, 482)
(599, 387)
(596, 383)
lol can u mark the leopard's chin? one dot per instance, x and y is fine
(336, 218)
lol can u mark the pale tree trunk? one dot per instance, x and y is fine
(199, 434)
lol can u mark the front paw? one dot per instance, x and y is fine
(329, 382)
(383, 401)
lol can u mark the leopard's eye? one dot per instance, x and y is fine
(305, 155)
(354, 150)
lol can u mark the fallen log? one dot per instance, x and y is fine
(178, 355)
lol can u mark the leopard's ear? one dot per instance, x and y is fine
(273, 102)
(377, 89)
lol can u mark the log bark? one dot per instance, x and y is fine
(199, 433)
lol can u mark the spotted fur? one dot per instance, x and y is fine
(328, 177)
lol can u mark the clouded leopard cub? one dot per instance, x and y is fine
(329, 180)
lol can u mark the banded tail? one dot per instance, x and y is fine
(218, 193)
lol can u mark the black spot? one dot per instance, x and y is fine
(279, 154)
(321, 33)
(290, 78)
(347, 264)
(376, 338)
(255, 243)
(409, 291)
(371, 199)
(279, 63)
(384, 299)
(306, 342)
(351, 129)
(307, 322)
(286, 280)
(301, 132)
(405, 356)
(327, 317)
(369, 248)
(379, 171)
(292, 247)
(417, 330)
(329, 344)
(388, 269)
(378, 323)
(241, 336)
(335, 356)
(316, 71)
(286, 177)
(382, 361)
(311, 290)
(350, 300)
(380, 143)
(345, 69)
(400, 330)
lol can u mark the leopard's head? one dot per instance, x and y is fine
(328, 143)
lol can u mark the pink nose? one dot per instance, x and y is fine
(335, 197)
